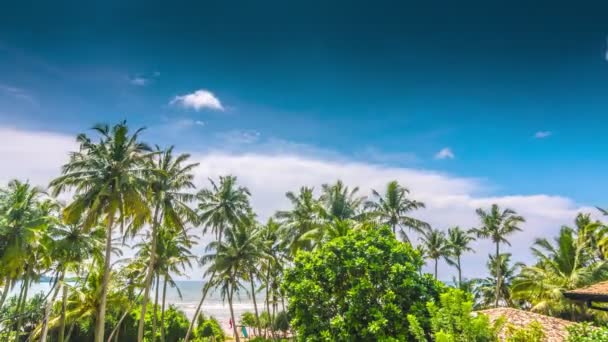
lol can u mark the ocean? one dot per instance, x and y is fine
(191, 295)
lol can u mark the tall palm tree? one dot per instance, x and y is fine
(224, 205)
(497, 225)
(435, 245)
(109, 180)
(232, 260)
(25, 247)
(485, 289)
(459, 242)
(339, 202)
(71, 247)
(302, 218)
(561, 266)
(393, 207)
(170, 179)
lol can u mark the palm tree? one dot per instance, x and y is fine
(223, 206)
(302, 218)
(170, 178)
(71, 247)
(338, 202)
(485, 289)
(563, 265)
(393, 208)
(108, 177)
(459, 242)
(232, 260)
(497, 225)
(435, 245)
(25, 246)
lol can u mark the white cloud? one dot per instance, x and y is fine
(450, 200)
(542, 134)
(139, 81)
(445, 153)
(199, 100)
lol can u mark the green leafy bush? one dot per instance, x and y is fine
(532, 333)
(208, 329)
(585, 332)
(358, 287)
(453, 320)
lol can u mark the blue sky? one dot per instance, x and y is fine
(513, 93)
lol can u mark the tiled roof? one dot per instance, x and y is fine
(554, 328)
(596, 292)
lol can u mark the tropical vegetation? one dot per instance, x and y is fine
(119, 226)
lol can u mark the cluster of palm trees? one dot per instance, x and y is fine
(118, 184)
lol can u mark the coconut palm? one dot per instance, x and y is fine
(497, 225)
(435, 245)
(222, 206)
(393, 207)
(563, 265)
(173, 257)
(485, 289)
(231, 260)
(459, 242)
(108, 178)
(339, 202)
(170, 179)
(302, 218)
(71, 247)
(25, 247)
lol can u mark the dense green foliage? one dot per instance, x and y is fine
(452, 319)
(584, 332)
(358, 287)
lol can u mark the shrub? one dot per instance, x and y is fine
(209, 329)
(358, 287)
(452, 320)
(585, 332)
(533, 332)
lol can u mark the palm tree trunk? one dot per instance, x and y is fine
(459, 271)
(64, 304)
(155, 313)
(236, 335)
(162, 312)
(267, 297)
(7, 287)
(198, 308)
(67, 338)
(26, 282)
(101, 311)
(498, 274)
(255, 304)
(436, 263)
(49, 306)
(149, 273)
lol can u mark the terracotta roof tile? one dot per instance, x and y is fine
(554, 328)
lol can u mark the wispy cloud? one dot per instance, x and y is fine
(445, 153)
(16, 92)
(139, 81)
(188, 123)
(198, 100)
(143, 80)
(240, 137)
(542, 134)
